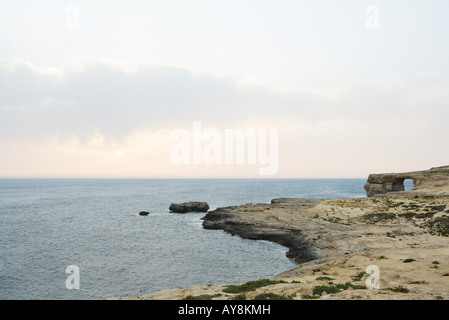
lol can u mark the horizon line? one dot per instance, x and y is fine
(192, 178)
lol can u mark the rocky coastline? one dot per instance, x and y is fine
(236, 221)
(405, 235)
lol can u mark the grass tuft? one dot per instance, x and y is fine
(250, 285)
(272, 296)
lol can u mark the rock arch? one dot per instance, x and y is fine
(394, 182)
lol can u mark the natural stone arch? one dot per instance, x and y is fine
(378, 184)
(422, 180)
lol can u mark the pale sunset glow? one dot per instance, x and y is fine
(350, 87)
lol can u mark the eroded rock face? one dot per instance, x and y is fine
(435, 180)
(261, 222)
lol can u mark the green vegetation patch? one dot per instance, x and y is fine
(318, 290)
(201, 297)
(411, 215)
(390, 235)
(250, 285)
(438, 207)
(359, 276)
(240, 296)
(348, 285)
(400, 289)
(334, 288)
(379, 216)
(439, 226)
(308, 296)
(272, 296)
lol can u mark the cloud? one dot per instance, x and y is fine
(106, 98)
(101, 103)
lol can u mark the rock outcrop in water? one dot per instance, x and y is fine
(302, 247)
(435, 180)
(192, 206)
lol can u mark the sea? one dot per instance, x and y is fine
(83, 239)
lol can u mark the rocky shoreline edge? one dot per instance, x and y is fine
(300, 246)
(336, 244)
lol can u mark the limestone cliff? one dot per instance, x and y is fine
(435, 181)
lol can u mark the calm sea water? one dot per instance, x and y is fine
(47, 225)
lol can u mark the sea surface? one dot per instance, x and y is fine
(47, 225)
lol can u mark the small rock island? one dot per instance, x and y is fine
(192, 206)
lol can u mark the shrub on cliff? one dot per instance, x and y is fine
(250, 285)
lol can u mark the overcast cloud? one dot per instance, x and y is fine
(82, 80)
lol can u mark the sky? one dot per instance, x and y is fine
(126, 89)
